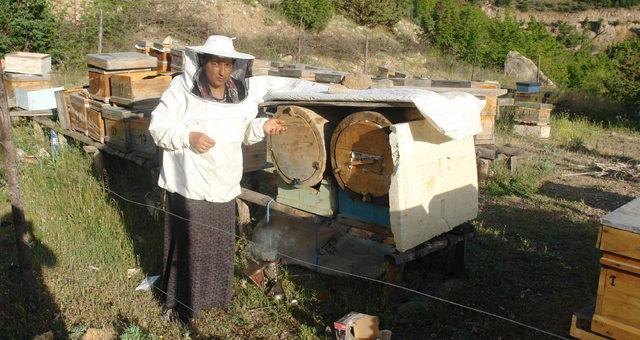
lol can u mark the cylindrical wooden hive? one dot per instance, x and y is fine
(361, 154)
(300, 154)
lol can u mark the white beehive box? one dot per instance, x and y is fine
(28, 63)
(434, 186)
(37, 99)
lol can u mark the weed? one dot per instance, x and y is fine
(134, 332)
(524, 182)
(576, 134)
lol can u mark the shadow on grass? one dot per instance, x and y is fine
(593, 197)
(16, 321)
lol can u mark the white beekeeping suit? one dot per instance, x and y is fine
(215, 175)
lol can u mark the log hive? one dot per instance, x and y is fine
(361, 154)
(300, 154)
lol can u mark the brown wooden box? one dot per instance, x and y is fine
(78, 112)
(116, 134)
(488, 121)
(95, 123)
(254, 156)
(138, 88)
(533, 113)
(140, 139)
(100, 84)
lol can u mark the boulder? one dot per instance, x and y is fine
(357, 81)
(523, 69)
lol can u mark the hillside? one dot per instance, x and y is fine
(617, 23)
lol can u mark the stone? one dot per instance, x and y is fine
(107, 333)
(523, 69)
(287, 58)
(337, 88)
(382, 84)
(357, 81)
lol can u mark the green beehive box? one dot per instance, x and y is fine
(322, 200)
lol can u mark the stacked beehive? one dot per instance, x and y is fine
(123, 89)
(532, 119)
(25, 71)
(616, 314)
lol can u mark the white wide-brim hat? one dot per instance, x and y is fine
(221, 46)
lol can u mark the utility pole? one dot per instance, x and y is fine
(23, 236)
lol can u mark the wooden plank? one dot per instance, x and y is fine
(320, 200)
(374, 228)
(619, 241)
(254, 157)
(119, 113)
(126, 89)
(27, 62)
(26, 77)
(88, 141)
(95, 125)
(63, 112)
(626, 217)
(117, 134)
(121, 61)
(33, 113)
(581, 325)
(614, 329)
(264, 200)
(78, 106)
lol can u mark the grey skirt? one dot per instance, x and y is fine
(198, 254)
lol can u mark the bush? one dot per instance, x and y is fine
(373, 13)
(27, 25)
(314, 15)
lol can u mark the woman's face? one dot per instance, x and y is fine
(218, 71)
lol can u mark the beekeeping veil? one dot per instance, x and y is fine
(221, 46)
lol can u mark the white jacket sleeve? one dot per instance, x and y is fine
(167, 130)
(254, 131)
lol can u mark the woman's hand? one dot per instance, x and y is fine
(274, 126)
(200, 141)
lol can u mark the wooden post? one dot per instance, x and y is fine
(300, 41)
(23, 236)
(366, 52)
(100, 33)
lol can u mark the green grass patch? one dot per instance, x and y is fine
(524, 181)
(575, 134)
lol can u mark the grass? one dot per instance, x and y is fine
(533, 258)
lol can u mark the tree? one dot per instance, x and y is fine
(373, 13)
(314, 15)
(26, 25)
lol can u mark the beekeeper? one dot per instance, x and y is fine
(200, 123)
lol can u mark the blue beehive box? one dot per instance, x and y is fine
(528, 87)
(362, 211)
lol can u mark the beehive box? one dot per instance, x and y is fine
(254, 156)
(532, 113)
(617, 311)
(121, 61)
(140, 89)
(177, 59)
(78, 106)
(141, 142)
(27, 62)
(13, 82)
(95, 123)
(488, 121)
(116, 124)
(537, 131)
(320, 200)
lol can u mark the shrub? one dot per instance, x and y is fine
(26, 25)
(314, 15)
(373, 13)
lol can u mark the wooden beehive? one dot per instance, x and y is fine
(116, 124)
(78, 106)
(13, 82)
(361, 154)
(321, 201)
(254, 156)
(121, 61)
(141, 142)
(300, 154)
(27, 62)
(140, 89)
(488, 121)
(616, 314)
(100, 84)
(532, 113)
(95, 123)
